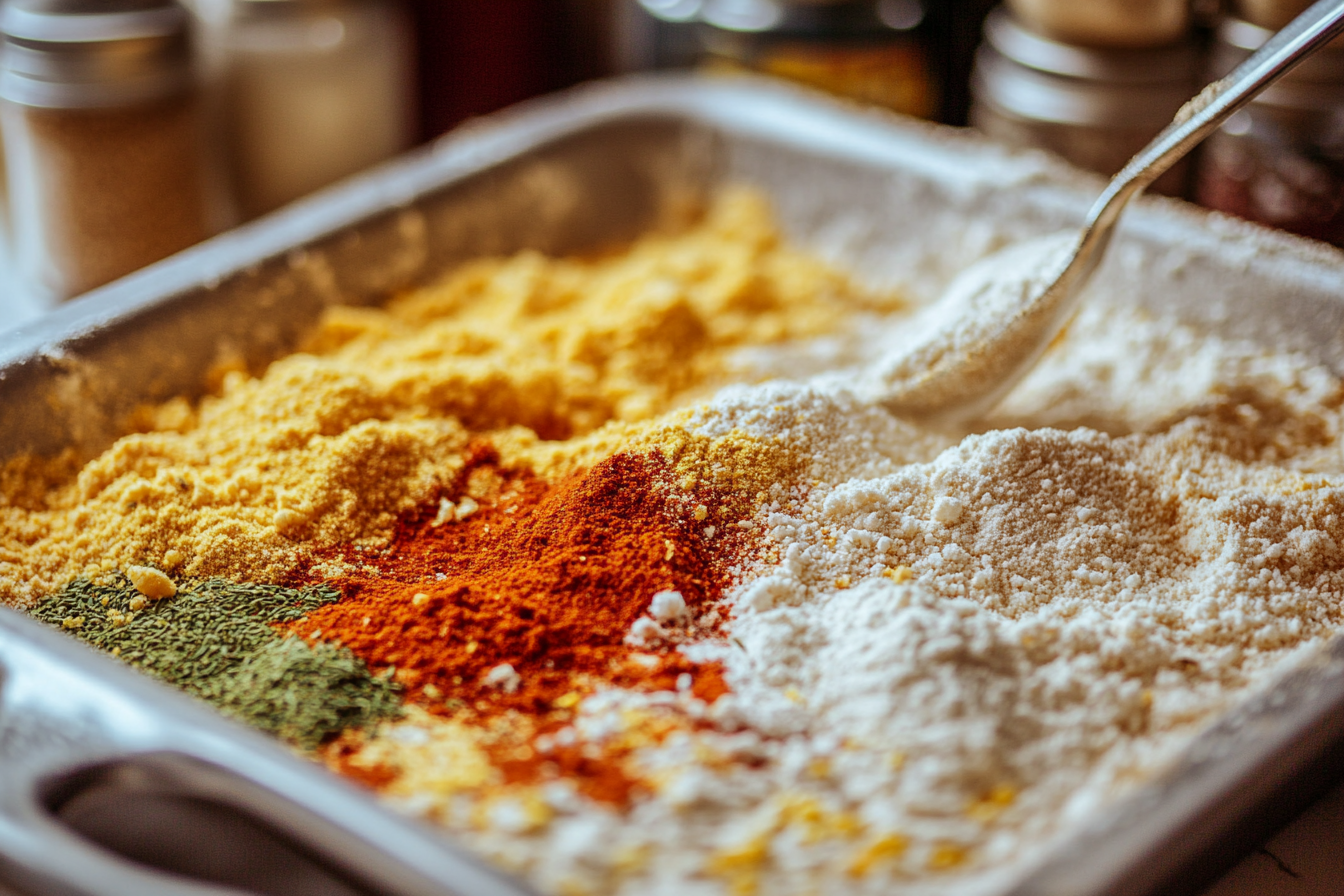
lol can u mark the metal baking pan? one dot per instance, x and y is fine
(900, 203)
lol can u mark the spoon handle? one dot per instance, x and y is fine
(1215, 103)
(1014, 306)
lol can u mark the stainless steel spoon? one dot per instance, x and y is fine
(996, 318)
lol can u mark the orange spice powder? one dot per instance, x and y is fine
(527, 603)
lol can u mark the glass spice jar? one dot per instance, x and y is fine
(1095, 107)
(107, 165)
(1280, 160)
(314, 90)
(871, 50)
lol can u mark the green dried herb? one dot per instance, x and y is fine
(217, 639)
(303, 693)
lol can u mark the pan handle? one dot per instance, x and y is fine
(150, 779)
(41, 858)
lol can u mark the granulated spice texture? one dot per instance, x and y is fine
(541, 591)
(506, 621)
(945, 652)
(330, 446)
(218, 640)
(662, 628)
(122, 187)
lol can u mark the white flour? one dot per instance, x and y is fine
(966, 646)
(972, 345)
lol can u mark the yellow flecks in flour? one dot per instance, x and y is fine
(946, 856)
(328, 446)
(899, 574)
(801, 817)
(991, 806)
(520, 812)
(885, 849)
(741, 865)
(817, 822)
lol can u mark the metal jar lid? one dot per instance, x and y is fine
(834, 19)
(1316, 83)
(68, 54)
(1035, 78)
(1107, 23)
(290, 7)
(1175, 62)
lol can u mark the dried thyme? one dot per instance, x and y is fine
(303, 692)
(216, 639)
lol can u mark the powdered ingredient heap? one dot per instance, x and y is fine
(529, 605)
(215, 640)
(940, 652)
(330, 447)
(541, 589)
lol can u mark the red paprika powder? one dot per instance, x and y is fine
(546, 580)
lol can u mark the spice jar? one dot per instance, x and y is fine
(107, 167)
(1280, 160)
(1094, 107)
(1272, 14)
(1106, 23)
(872, 50)
(314, 90)
(657, 34)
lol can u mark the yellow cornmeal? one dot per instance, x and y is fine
(328, 446)
(742, 468)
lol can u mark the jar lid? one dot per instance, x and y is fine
(676, 11)
(1035, 95)
(1106, 23)
(1170, 64)
(84, 53)
(797, 18)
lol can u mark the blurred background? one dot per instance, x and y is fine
(133, 128)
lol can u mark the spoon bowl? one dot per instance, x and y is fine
(998, 316)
